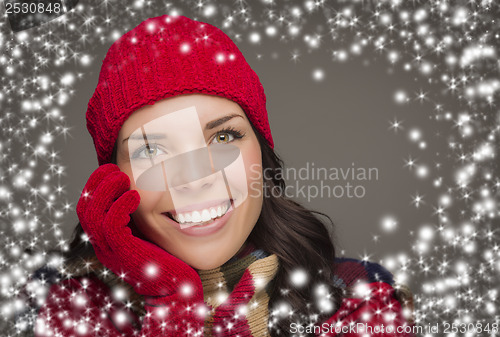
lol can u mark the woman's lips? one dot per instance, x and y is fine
(203, 229)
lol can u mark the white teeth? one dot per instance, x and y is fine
(203, 215)
(196, 217)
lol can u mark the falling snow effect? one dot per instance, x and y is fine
(451, 44)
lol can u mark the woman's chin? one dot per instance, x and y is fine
(205, 265)
(209, 259)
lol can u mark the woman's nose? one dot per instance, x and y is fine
(191, 171)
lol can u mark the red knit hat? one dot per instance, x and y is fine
(167, 56)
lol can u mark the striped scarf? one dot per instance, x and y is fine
(240, 287)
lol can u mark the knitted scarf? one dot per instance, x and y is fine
(243, 284)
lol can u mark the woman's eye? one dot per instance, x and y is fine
(148, 152)
(151, 151)
(223, 137)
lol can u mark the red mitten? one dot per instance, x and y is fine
(173, 291)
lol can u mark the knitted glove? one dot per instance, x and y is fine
(172, 290)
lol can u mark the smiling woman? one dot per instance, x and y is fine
(170, 241)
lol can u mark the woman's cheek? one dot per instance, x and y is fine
(253, 168)
(240, 178)
(150, 200)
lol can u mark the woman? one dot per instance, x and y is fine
(177, 236)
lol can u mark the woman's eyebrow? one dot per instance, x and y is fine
(149, 136)
(215, 123)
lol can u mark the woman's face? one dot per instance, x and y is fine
(203, 219)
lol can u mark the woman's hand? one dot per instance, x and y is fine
(104, 211)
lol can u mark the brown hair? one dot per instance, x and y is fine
(285, 228)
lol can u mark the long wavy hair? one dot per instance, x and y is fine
(294, 233)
